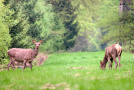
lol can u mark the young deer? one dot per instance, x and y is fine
(23, 55)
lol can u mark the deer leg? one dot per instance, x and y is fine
(8, 65)
(24, 64)
(13, 61)
(119, 57)
(109, 63)
(30, 65)
(116, 64)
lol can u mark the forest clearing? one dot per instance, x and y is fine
(72, 71)
(73, 35)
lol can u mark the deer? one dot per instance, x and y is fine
(23, 55)
(111, 53)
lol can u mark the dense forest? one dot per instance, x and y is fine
(74, 25)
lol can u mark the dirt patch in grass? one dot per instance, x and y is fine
(98, 78)
(76, 67)
(40, 59)
(8, 86)
(76, 75)
(128, 72)
(62, 85)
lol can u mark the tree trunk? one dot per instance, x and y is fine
(125, 5)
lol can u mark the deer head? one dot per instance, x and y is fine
(37, 44)
(102, 66)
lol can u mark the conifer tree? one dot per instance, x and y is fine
(4, 31)
(51, 27)
(67, 14)
(20, 24)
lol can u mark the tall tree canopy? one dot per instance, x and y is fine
(114, 27)
(51, 27)
(66, 11)
(5, 14)
(89, 35)
(18, 30)
(34, 19)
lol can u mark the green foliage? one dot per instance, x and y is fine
(109, 20)
(72, 71)
(34, 19)
(66, 11)
(87, 17)
(51, 27)
(115, 28)
(20, 25)
(33, 16)
(127, 30)
(4, 31)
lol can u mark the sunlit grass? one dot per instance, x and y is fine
(74, 71)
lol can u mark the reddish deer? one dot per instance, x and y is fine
(111, 53)
(23, 55)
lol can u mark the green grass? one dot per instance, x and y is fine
(72, 71)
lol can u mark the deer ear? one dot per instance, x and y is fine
(33, 41)
(41, 41)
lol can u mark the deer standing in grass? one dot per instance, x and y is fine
(111, 53)
(23, 55)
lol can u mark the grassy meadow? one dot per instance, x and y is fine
(72, 71)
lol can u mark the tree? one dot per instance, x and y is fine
(51, 27)
(66, 12)
(34, 19)
(89, 35)
(20, 25)
(116, 28)
(4, 31)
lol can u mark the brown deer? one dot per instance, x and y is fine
(23, 55)
(111, 53)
